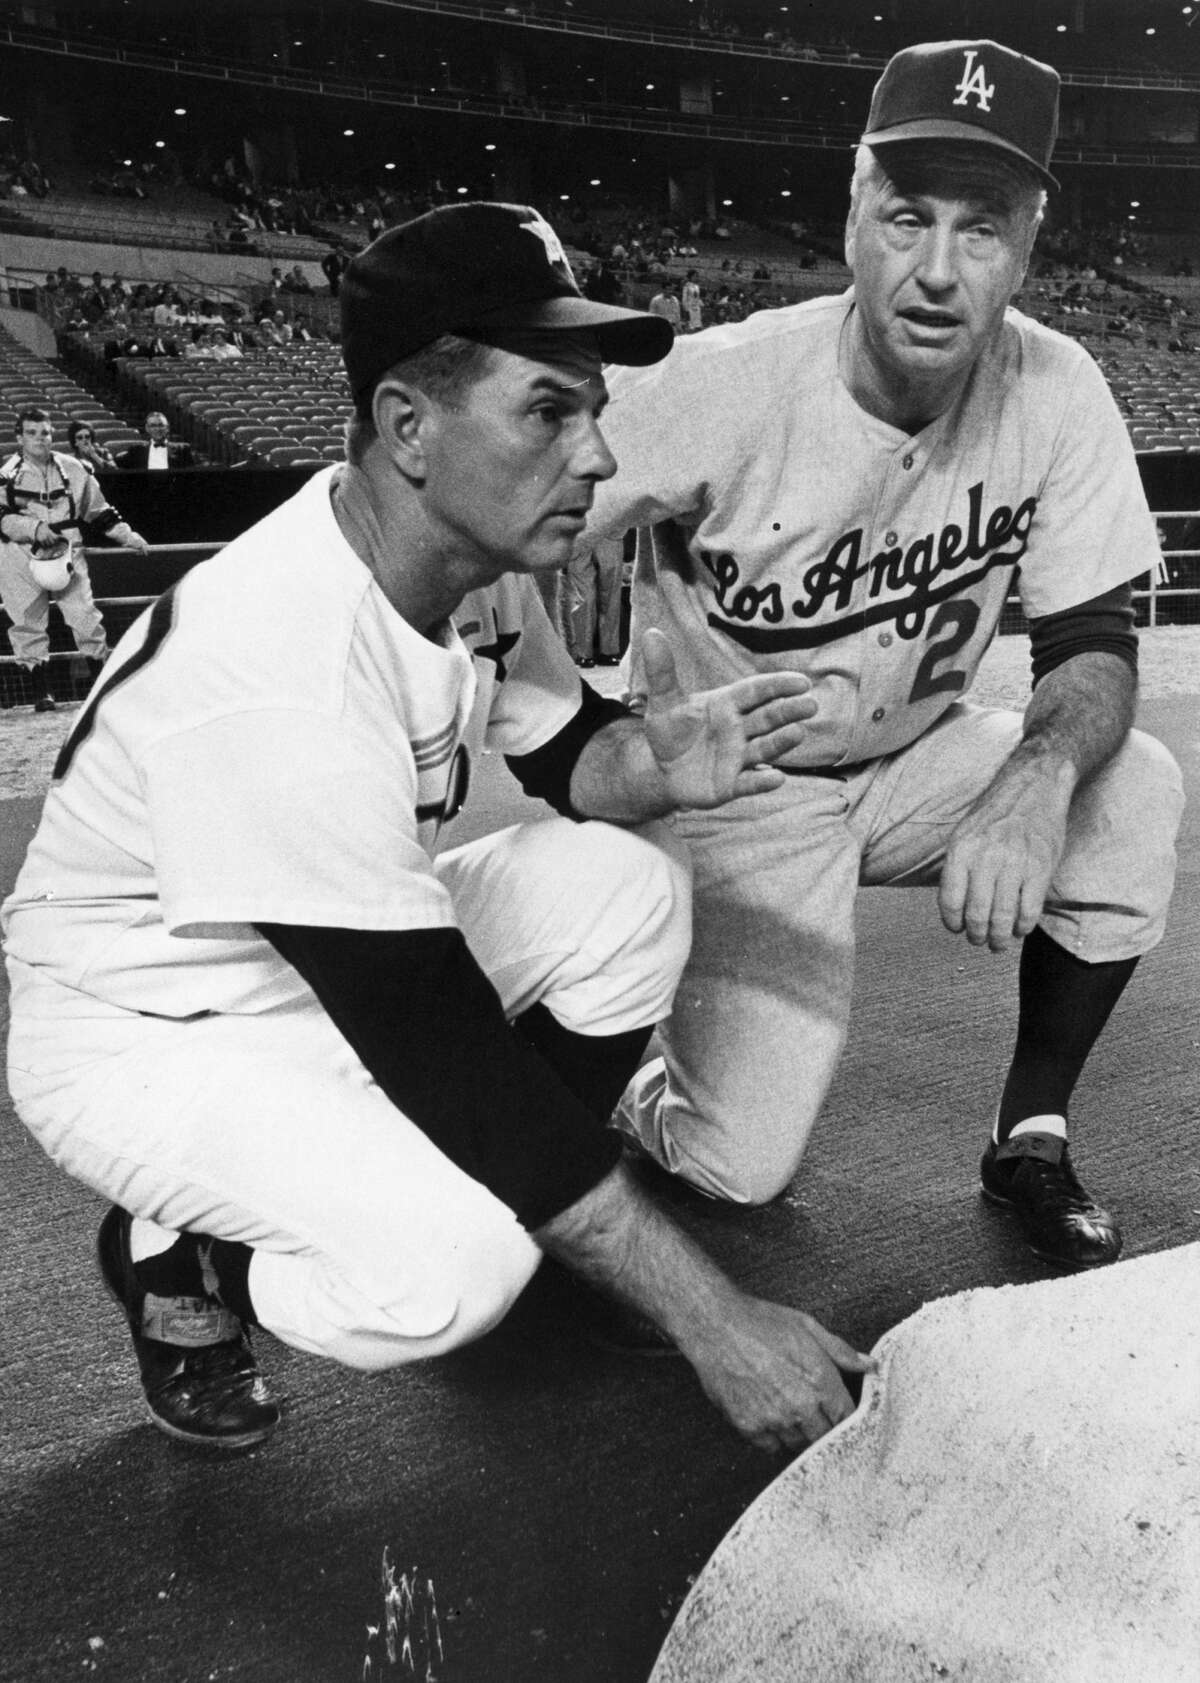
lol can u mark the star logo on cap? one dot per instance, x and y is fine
(555, 255)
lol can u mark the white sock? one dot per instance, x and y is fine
(147, 1238)
(1056, 1125)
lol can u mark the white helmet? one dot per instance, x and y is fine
(52, 573)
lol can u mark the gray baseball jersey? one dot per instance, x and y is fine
(787, 528)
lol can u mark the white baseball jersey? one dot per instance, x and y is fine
(272, 743)
(789, 529)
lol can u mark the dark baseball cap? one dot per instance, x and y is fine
(968, 90)
(478, 270)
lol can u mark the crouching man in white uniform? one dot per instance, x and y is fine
(335, 1083)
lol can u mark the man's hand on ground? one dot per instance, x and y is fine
(774, 1373)
(771, 1370)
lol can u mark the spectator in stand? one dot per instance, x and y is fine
(199, 347)
(33, 180)
(666, 305)
(592, 616)
(148, 345)
(296, 280)
(160, 452)
(83, 444)
(333, 266)
(603, 284)
(166, 308)
(94, 302)
(223, 349)
(239, 335)
(692, 302)
(277, 329)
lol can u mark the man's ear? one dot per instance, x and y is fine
(402, 415)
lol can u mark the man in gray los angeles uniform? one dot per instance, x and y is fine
(885, 465)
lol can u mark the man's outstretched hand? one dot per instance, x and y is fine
(720, 744)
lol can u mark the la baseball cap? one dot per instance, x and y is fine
(478, 270)
(968, 90)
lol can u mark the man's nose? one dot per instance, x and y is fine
(594, 459)
(938, 267)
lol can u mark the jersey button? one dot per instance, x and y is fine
(885, 639)
(877, 714)
(889, 539)
(908, 462)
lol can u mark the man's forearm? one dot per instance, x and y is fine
(1079, 715)
(618, 1240)
(617, 778)
(770, 1369)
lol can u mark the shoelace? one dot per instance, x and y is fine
(205, 1375)
(1054, 1187)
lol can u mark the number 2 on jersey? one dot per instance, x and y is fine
(957, 619)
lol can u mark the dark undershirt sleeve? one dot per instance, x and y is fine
(1105, 625)
(546, 772)
(429, 1027)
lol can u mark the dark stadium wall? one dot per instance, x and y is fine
(215, 505)
(198, 505)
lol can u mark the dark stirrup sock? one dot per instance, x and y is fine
(230, 1262)
(1064, 1004)
(596, 1068)
(196, 1266)
(175, 1272)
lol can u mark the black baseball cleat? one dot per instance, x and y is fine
(1032, 1176)
(199, 1374)
(39, 682)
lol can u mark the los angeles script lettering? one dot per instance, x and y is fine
(907, 575)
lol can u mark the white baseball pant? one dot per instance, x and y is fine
(761, 1012)
(28, 607)
(371, 1247)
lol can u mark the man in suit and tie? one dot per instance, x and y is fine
(160, 452)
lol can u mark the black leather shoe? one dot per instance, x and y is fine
(1033, 1177)
(198, 1370)
(39, 680)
